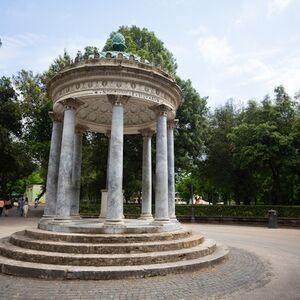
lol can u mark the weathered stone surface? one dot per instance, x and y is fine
(114, 213)
(161, 185)
(50, 271)
(21, 240)
(61, 258)
(147, 175)
(76, 172)
(53, 167)
(106, 238)
(147, 85)
(64, 190)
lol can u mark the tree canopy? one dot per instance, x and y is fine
(247, 155)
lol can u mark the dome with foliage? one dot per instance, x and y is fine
(118, 42)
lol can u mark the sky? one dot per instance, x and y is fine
(239, 49)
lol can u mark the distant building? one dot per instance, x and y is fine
(33, 191)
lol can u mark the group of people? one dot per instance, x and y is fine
(23, 205)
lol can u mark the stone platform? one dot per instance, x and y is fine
(84, 249)
(128, 226)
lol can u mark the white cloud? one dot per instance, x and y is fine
(198, 30)
(215, 49)
(19, 52)
(13, 50)
(275, 7)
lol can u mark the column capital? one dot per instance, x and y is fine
(55, 117)
(71, 103)
(146, 132)
(160, 110)
(118, 99)
(81, 128)
(172, 123)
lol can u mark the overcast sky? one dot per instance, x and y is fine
(229, 49)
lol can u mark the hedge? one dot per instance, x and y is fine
(238, 210)
(134, 210)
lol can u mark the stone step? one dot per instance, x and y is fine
(106, 238)
(24, 241)
(11, 251)
(48, 271)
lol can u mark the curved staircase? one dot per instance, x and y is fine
(53, 255)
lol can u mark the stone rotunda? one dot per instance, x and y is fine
(114, 93)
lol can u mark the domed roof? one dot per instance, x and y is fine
(118, 42)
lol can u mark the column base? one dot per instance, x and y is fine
(114, 222)
(47, 217)
(146, 217)
(62, 220)
(174, 220)
(167, 225)
(161, 221)
(76, 217)
(103, 204)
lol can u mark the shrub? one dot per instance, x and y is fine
(238, 210)
(134, 210)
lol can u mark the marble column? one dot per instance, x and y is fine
(114, 214)
(76, 170)
(147, 175)
(171, 173)
(161, 186)
(64, 189)
(103, 208)
(53, 166)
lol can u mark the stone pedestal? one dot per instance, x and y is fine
(65, 186)
(53, 166)
(114, 213)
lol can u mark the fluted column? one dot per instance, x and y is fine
(76, 169)
(147, 175)
(161, 186)
(114, 214)
(171, 173)
(53, 166)
(64, 190)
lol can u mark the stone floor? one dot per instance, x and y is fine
(263, 264)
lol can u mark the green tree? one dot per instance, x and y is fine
(264, 142)
(35, 106)
(14, 159)
(219, 168)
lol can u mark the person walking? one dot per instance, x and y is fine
(21, 205)
(25, 208)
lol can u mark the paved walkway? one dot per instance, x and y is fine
(263, 264)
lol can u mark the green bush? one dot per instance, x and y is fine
(93, 209)
(134, 210)
(238, 210)
(89, 208)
